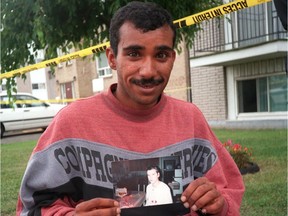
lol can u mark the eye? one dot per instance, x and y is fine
(162, 55)
(133, 54)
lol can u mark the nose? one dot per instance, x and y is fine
(148, 68)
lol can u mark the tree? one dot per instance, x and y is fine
(31, 25)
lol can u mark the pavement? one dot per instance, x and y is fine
(21, 136)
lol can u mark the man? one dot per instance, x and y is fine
(69, 170)
(157, 192)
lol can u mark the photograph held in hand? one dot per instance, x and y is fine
(148, 185)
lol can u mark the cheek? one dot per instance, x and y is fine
(166, 69)
(170, 66)
(127, 69)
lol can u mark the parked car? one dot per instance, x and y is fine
(28, 113)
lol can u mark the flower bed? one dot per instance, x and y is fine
(242, 157)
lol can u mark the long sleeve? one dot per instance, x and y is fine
(229, 181)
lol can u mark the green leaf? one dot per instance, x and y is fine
(59, 23)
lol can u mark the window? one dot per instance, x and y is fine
(277, 87)
(5, 103)
(103, 68)
(24, 101)
(247, 98)
(38, 86)
(30, 101)
(265, 94)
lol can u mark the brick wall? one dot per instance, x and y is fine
(177, 86)
(24, 85)
(209, 92)
(86, 72)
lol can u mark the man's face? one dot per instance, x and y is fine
(143, 63)
(153, 176)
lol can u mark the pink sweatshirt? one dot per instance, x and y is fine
(72, 160)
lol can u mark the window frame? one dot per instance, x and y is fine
(107, 70)
(268, 96)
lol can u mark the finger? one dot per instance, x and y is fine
(204, 196)
(215, 206)
(97, 203)
(106, 212)
(191, 188)
(195, 190)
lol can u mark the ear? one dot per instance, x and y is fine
(111, 58)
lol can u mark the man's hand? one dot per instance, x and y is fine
(201, 194)
(98, 206)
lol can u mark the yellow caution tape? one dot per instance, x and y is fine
(55, 61)
(217, 11)
(186, 21)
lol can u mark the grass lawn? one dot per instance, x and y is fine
(266, 191)
(14, 158)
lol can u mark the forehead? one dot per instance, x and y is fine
(130, 35)
(152, 171)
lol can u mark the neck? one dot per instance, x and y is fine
(156, 184)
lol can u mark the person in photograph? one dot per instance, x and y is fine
(157, 192)
(69, 171)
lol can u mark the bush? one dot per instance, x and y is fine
(241, 155)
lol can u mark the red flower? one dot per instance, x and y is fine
(236, 147)
(241, 155)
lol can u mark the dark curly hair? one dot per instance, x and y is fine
(146, 16)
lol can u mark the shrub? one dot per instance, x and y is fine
(241, 155)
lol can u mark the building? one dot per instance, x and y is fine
(236, 71)
(239, 69)
(41, 83)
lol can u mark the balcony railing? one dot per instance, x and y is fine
(255, 25)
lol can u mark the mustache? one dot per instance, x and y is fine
(150, 81)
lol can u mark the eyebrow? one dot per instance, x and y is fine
(134, 47)
(138, 47)
(165, 48)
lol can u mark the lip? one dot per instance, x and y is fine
(147, 89)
